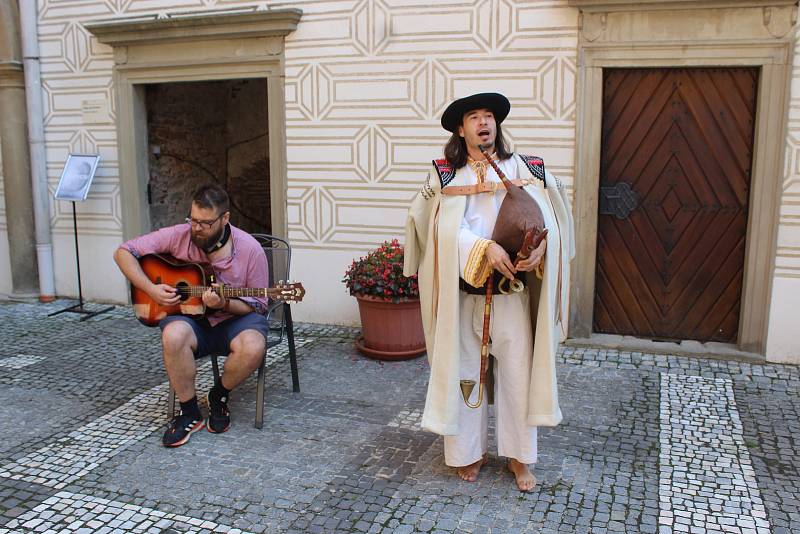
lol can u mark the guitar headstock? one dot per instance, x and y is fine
(289, 291)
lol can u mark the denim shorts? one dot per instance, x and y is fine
(217, 339)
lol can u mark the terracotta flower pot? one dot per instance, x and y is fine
(391, 331)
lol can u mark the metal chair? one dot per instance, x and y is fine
(279, 319)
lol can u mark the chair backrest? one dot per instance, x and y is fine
(279, 260)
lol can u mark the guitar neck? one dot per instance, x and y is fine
(232, 292)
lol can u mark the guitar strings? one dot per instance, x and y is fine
(233, 292)
(197, 291)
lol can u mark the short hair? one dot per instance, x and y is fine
(455, 151)
(212, 196)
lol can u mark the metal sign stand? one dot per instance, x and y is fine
(78, 308)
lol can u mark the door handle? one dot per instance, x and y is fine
(618, 200)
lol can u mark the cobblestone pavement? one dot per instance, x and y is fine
(649, 443)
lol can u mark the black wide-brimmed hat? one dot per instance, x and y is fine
(500, 106)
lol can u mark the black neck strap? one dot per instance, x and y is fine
(223, 240)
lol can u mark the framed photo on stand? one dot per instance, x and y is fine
(76, 178)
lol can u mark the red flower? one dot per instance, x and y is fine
(380, 274)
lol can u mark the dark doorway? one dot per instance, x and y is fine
(676, 156)
(209, 131)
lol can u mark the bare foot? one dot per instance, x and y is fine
(525, 479)
(470, 472)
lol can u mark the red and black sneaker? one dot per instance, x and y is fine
(219, 418)
(180, 430)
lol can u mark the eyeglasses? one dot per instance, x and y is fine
(204, 225)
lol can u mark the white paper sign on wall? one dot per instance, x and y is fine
(96, 111)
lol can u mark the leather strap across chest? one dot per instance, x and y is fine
(485, 187)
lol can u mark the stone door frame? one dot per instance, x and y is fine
(618, 33)
(191, 47)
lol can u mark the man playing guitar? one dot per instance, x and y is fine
(233, 325)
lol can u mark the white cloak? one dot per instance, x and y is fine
(431, 250)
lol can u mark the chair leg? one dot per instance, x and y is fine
(287, 310)
(171, 403)
(215, 365)
(260, 392)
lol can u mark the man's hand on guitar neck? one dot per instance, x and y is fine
(215, 302)
(212, 299)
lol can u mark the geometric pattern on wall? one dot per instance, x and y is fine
(408, 58)
(75, 42)
(366, 86)
(76, 69)
(366, 82)
(354, 163)
(787, 260)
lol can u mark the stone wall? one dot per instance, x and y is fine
(247, 159)
(208, 131)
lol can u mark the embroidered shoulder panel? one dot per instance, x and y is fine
(427, 191)
(535, 164)
(445, 170)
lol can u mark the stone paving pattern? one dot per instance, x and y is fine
(84, 406)
(707, 479)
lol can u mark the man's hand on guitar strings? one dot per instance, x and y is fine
(164, 295)
(212, 299)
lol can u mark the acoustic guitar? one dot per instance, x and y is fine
(189, 279)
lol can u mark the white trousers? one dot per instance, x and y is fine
(512, 347)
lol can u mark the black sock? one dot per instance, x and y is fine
(191, 408)
(219, 392)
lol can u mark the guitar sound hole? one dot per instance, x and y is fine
(183, 290)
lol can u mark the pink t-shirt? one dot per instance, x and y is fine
(245, 267)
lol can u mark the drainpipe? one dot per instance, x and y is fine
(41, 195)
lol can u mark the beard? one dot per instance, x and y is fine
(206, 242)
(487, 145)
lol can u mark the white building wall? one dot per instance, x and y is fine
(783, 343)
(77, 71)
(366, 82)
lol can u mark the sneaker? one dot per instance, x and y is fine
(180, 429)
(219, 418)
